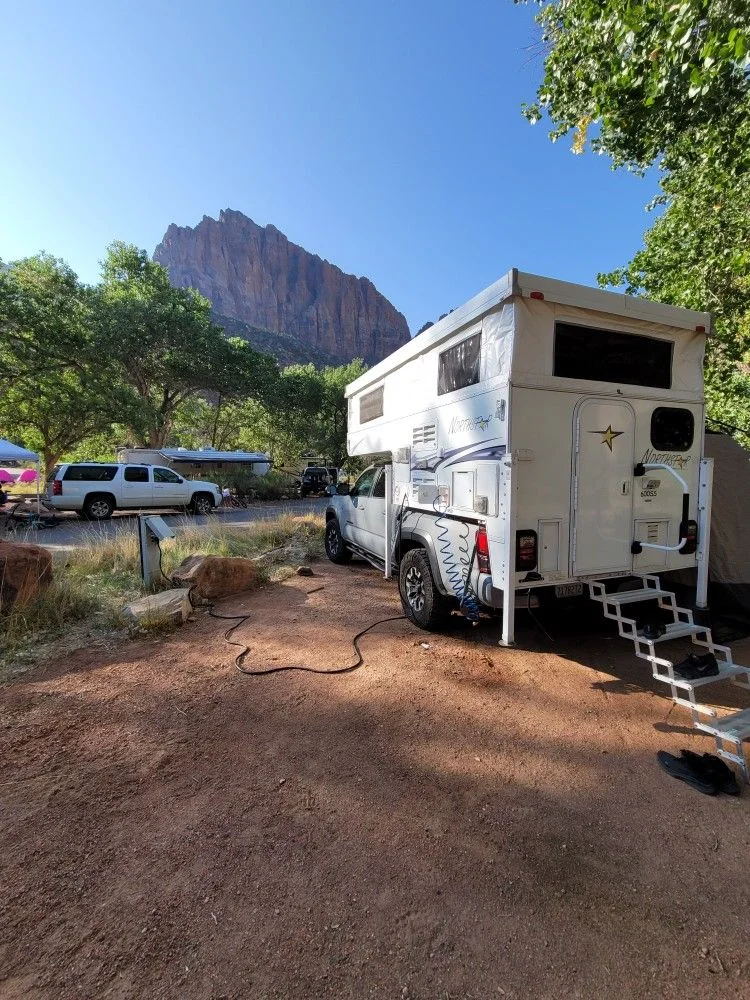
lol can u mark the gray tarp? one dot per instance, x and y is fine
(729, 556)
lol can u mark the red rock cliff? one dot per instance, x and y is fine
(254, 274)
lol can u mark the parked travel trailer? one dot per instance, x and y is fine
(544, 435)
(201, 461)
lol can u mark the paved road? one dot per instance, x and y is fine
(73, 532)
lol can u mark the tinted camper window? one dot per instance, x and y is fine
(609, 356)
(371, 405)
(459, 365)
(672, 428)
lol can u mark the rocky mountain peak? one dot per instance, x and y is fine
(255, 275)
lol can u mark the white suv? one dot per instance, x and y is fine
(95, 489)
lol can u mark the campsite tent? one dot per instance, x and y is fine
(10, 452)
(729, 554)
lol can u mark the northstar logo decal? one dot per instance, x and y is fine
(608, 436)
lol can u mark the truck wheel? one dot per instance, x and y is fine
(336, 549)
(421, 600)
(202, 503)
(98, 507)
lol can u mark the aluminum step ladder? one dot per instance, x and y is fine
(729, 730)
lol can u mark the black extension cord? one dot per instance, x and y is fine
(265, 671)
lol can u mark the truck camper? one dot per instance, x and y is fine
(543, 435)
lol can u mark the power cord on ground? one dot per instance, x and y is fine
(239, 659)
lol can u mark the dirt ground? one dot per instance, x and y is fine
(459, 821)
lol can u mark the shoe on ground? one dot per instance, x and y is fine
(694, 667)
(685, 770)
(715, 770)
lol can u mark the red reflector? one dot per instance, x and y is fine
(483, 551)
(537, 295)
(57, 487)
(700, 329)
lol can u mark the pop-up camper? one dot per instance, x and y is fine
(564, 421)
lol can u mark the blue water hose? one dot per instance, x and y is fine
(457, 572)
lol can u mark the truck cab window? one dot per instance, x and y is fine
(364, 484)
(672, 428)
(378, 490)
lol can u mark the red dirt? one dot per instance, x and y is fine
(460, 821)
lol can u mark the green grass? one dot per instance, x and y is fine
(92, 585)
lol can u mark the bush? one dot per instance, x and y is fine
(273, 486)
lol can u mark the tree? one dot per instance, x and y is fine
(55, 389)
(669, 83)
(164, 344)
(656, 78)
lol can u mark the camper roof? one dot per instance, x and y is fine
(521, 283)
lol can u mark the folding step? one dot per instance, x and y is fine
(676, 630)
(725, 673)
(734, 727)
(634, 596)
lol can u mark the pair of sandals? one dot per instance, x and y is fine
(707, 773)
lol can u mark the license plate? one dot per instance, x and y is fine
(568, 589)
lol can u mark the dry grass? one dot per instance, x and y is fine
(85, 603)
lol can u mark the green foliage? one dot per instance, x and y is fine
(137, 361)
(55, 387)
(669, 82)
(307, 414)
(165, 345)
(649, 74)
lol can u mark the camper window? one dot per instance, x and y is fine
(672, 428)
(594, 355)
(371, 405)
(459, 365)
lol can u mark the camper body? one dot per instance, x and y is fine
(543, 435)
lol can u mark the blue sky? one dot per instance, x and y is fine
(386, 137)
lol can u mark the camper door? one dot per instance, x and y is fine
(602, 514)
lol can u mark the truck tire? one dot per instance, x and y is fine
(335, 546)
(202, 503)
(422, 602)
(98, 506)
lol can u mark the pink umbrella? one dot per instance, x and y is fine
(6, 477)
(27, 476)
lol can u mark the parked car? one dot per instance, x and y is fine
(314, 480)
(95, 489)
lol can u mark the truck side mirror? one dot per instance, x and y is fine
(343, 489)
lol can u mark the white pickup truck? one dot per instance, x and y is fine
(95, 489)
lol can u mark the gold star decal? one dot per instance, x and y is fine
(608, 436)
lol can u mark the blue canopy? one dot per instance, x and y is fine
(10, 452)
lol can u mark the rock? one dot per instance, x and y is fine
(25, 570)
(255, 275)
(166, 606)
(304, 571)
(217, 576)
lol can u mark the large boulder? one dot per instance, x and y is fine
(25, 570)
(164, 606)
(217, 576)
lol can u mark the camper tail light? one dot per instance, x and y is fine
(57, 487)
(483, 550)
(525, 550)
(691, 533)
